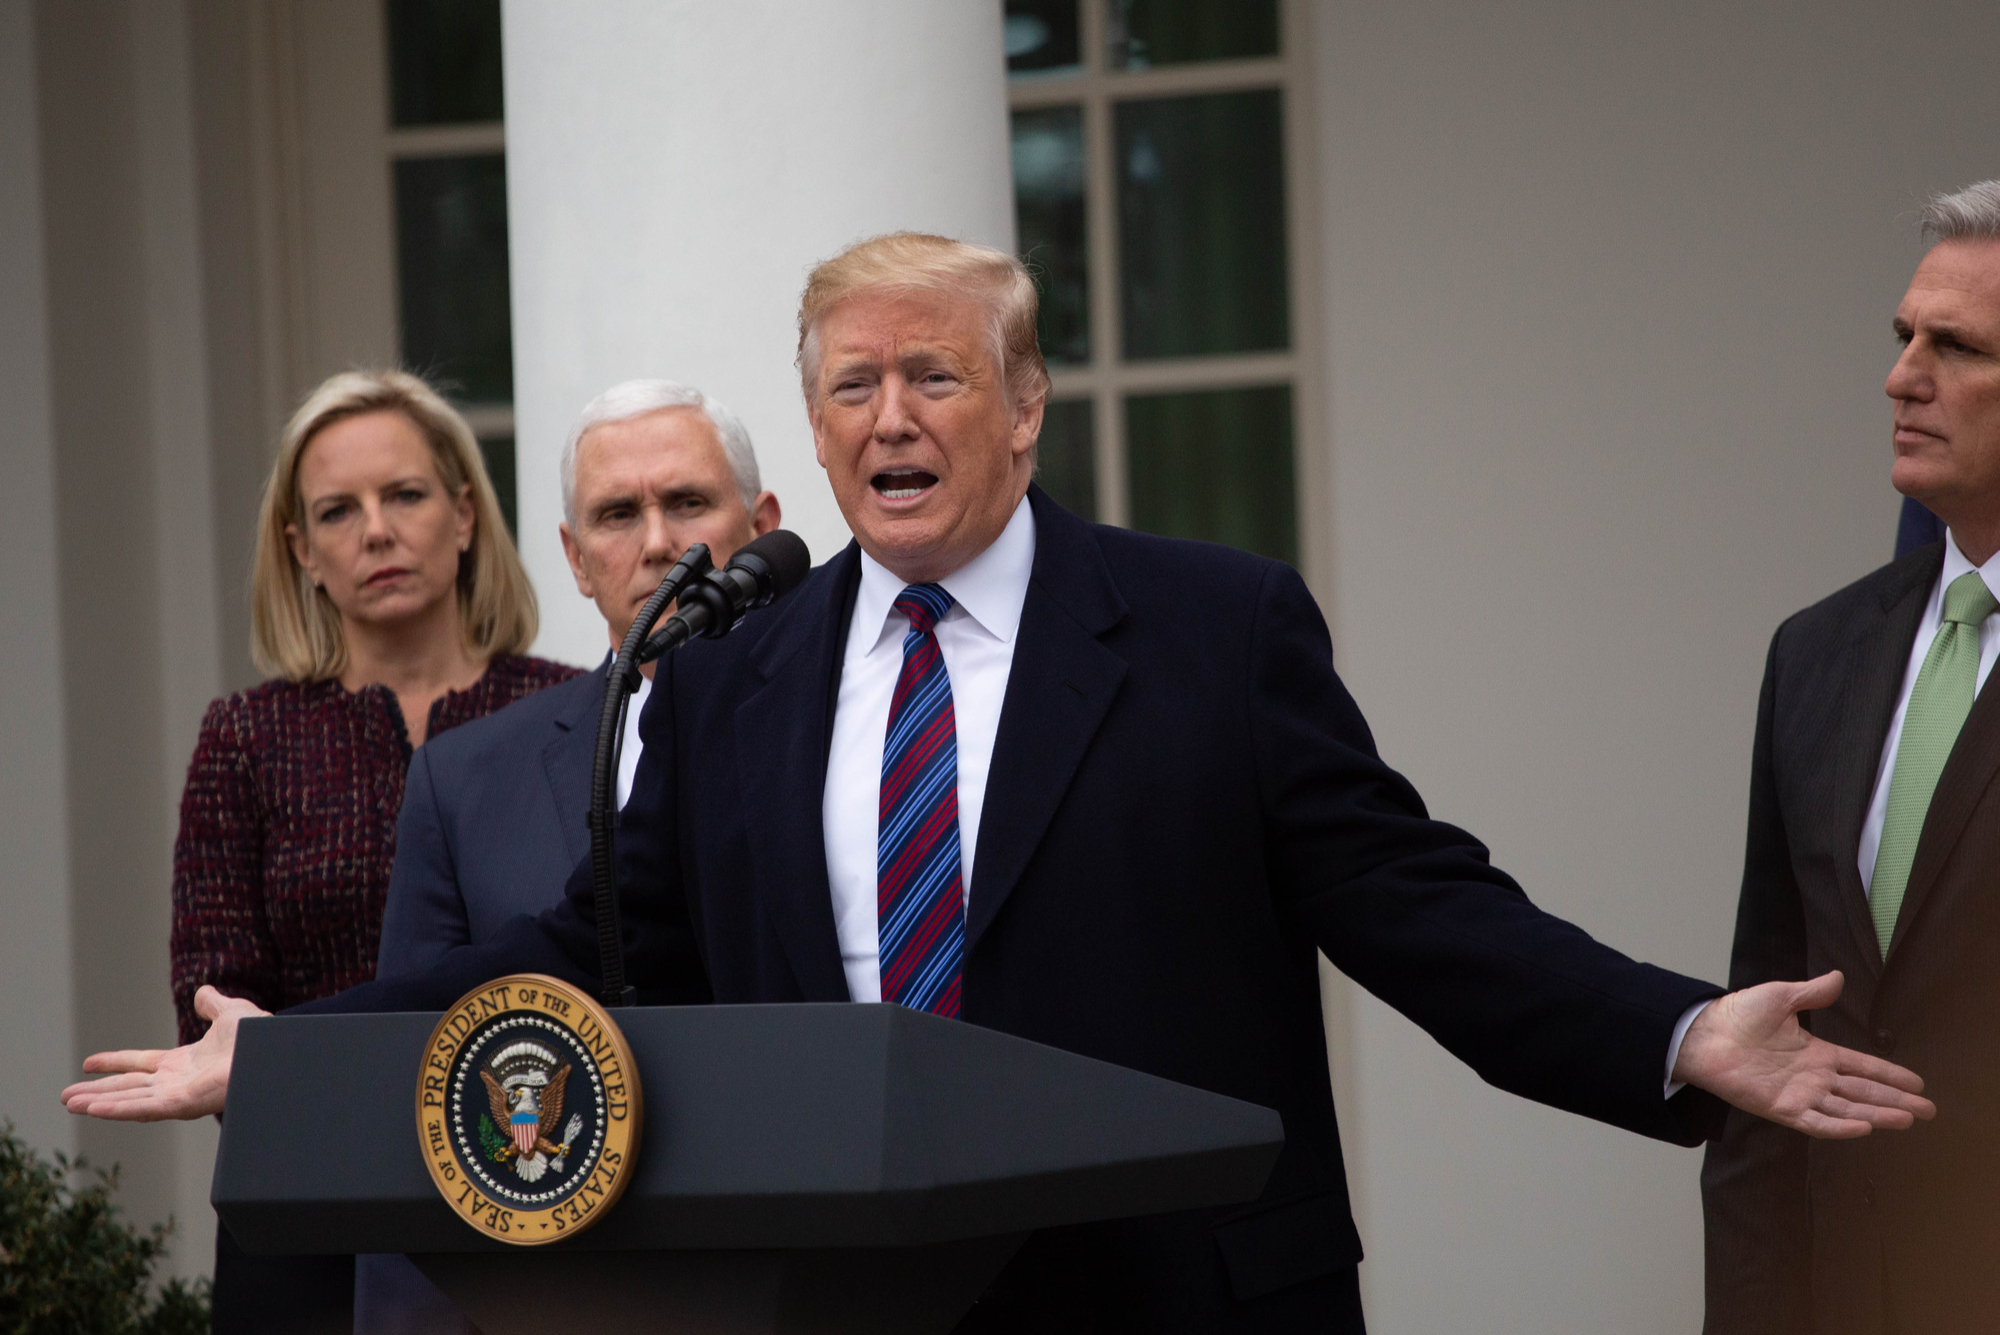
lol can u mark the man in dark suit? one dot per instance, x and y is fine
(1101, 790)
(1874, 849)
(493, 817)
(493, 814)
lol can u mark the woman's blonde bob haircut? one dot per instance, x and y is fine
(918, 262)
(295, 629)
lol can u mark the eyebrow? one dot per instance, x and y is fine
(670, 495)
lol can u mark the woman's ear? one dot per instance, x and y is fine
(302, 554)
(468, 519)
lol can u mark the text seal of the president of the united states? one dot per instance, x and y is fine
(528, 1109)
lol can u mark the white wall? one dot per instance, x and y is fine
(673, 170)
(1607, 302)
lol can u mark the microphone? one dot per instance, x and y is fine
(761, 571)
(712, 602)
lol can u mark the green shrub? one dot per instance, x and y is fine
(70, 1266)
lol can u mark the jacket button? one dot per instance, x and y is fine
(1885, 1042)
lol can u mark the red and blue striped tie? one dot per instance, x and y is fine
(919, 896)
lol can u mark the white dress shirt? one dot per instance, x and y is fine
(628, 750)
(976, 638)
(1955, 564)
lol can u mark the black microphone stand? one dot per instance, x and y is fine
(624, 680)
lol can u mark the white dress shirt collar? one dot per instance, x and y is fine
(990, 588)
(1956, 563)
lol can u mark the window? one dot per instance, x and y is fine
(446, 145)
(1149, 152)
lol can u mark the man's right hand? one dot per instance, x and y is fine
(151, 1085)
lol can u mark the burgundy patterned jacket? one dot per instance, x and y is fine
(288, 831)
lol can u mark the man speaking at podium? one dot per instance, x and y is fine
(1097, 789)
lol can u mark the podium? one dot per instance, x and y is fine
(802, 1168)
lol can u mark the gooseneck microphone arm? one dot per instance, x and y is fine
(624, 680)
(712, 603)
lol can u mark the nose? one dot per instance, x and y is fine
(375, 531)
(1910, 378)
(660, 548)
(895, 421)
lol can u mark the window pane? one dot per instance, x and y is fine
(451, 260)
(1066, 456)
(1201, 225)
(1140, 33)
(1041, 37)
(498, 451)
(444, 61)
(1048, 215)
(1216, 465)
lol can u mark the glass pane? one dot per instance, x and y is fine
(451, 262)
(1201, 225)
(1048, 215)
(1217, 465)
(1141, 33)
(1066, 456)
(444, 61)
(498, 452)
(1041, 37)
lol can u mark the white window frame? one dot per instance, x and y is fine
(1106, 379)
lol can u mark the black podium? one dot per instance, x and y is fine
(815, 1168)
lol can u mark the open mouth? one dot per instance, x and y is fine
(902, 484)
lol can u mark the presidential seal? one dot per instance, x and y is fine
(528, 1109)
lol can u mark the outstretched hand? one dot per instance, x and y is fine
(1748, 1049)
(151, 1085)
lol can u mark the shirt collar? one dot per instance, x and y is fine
(990, 589)
(1956, 563)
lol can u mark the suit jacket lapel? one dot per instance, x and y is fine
(1877, 659)
(782, 732)
(567, 758)
(1060, 686)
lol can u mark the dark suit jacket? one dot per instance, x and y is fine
(493, 821)
(1183, 803)
(1801, 1233)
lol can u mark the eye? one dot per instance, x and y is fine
(409, 494)
(332, 512)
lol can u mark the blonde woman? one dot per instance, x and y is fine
(388, 606)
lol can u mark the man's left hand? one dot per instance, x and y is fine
(1748, 1049)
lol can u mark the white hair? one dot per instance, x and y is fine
(1969, 214)
(636, 398)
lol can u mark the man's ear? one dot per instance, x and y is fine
(1028, 423)
(819, 440)
(571, 551)
(765, 515)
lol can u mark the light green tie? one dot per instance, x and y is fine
(1939, 703)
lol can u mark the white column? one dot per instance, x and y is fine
(674, 169)
(36, 1049)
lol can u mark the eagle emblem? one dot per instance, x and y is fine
(524, 1090)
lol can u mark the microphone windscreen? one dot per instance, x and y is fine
(784, 552)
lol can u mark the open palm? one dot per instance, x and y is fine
(1749, 1050)
(154, 1084)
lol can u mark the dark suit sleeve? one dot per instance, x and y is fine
(661, 958)
(425, 917)
(1758, 1219)
(1412, 909)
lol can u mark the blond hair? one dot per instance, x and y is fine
(905, 262)
(295, 629)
